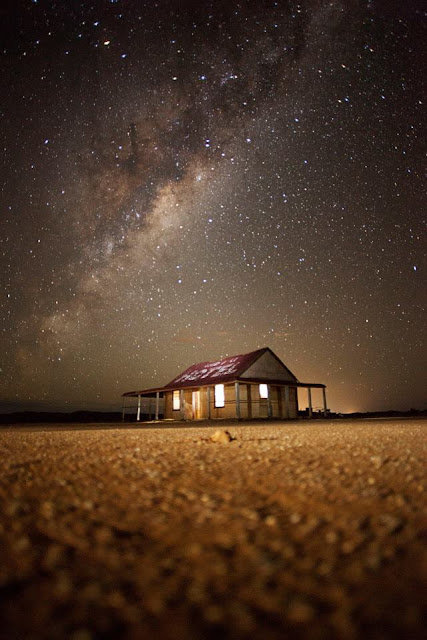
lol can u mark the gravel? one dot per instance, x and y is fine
(309, 529)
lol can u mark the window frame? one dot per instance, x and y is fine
(176, 394)
(263, 391)
(221, 398)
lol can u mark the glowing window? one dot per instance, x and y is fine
(219, 395)
(263, 391)
(176, 403)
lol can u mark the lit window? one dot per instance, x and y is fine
(176, 403)
(219, 395)
(263, 390)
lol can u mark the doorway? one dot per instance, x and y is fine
(196, 405)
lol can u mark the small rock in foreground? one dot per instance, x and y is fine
(222, 437)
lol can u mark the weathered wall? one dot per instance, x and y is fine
(169, 413)
(267, 367)
(293, 403)
(229, 410)
(251, 405)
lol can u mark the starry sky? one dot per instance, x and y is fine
(183, 181)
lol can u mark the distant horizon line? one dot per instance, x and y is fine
(118, 410)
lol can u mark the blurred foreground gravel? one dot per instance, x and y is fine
(290, 530)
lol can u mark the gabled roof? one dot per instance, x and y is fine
(226, 370)
(220, 371)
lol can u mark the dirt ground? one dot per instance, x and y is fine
(290, 530)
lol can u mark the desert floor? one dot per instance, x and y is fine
(291, 530)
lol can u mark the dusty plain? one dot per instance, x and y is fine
(309, 529)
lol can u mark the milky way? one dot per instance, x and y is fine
(184, 181)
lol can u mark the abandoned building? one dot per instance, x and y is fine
(247, 386)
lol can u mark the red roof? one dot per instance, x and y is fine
(215, 372)
(218, 372)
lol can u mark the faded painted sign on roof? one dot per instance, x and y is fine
(214, 372)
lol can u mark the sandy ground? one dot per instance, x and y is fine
(292, 530)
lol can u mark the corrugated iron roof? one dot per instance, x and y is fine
(216, 372)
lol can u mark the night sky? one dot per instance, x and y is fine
(182, 181)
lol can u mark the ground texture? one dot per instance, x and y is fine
(290, 530)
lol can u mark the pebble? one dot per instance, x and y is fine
(222, 437)
(270, 521)
(390, 522)
(300, 612)
(378, 461)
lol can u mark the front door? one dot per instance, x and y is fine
(196, 405)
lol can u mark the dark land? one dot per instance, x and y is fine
(87, 417)
(308, 529)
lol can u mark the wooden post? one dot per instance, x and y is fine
(287, 402)
(182, 403)
(310, 408)
(325, 406)
(237, 390)
(138, 411)
(157, 405)
(208, 396)
(269, 405)
(249, 396)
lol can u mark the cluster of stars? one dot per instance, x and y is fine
(186, 183)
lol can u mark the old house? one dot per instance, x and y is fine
(247, 386)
